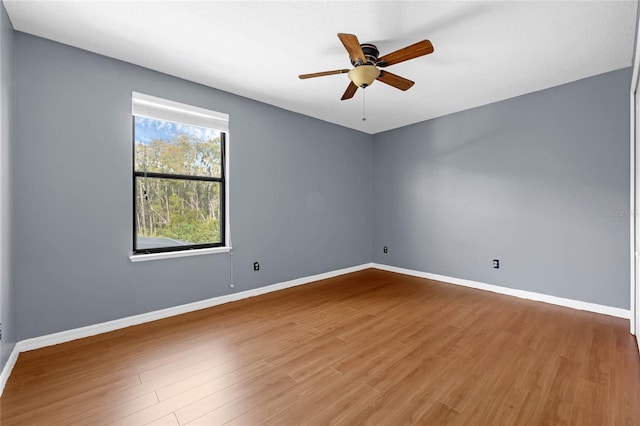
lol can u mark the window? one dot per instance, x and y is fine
(179, 192)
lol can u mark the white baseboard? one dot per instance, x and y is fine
(6, 371)
(92, 330)
(523, 294)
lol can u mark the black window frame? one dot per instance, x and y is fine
(156, 175)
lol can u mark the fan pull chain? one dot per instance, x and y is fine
(364, 117)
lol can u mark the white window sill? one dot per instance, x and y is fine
(182, 253)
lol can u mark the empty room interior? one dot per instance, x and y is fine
(301, 212)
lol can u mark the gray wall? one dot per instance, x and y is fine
(540, 182)
(300, 193)
(7, 293)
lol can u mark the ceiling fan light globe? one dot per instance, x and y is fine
(364, 75)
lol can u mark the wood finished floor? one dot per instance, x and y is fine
(370, 347)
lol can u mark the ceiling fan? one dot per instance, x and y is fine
(367, 64)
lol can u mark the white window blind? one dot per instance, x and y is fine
(163, 109)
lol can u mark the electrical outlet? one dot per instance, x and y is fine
(496, 263)
(385, 249)
(256, 266)
(232, 285)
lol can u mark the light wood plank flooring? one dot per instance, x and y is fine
(370, 347)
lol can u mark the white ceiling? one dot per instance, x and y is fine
(484, 51)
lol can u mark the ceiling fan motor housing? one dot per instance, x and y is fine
(370, 54)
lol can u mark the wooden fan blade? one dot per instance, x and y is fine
(395, 80)
(418, 49)
(351, 90)
(320, 74)
(352, 45)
